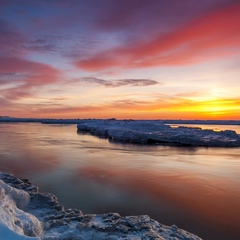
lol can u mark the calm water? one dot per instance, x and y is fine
(197, 189)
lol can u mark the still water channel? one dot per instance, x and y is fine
(195, 188)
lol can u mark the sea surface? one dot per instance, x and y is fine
(195, 188)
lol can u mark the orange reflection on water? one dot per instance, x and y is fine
(21, 152)
(197, 189)
(212, 201)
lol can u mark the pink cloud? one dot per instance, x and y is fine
(25, 74)
(152, 15)
(214, 35)
(38, 73)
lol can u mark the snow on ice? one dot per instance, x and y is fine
(15, 223)
(155, 132)
(150, 131)
(25, 213)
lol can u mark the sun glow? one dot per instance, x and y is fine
(218, 108)
(162, 66)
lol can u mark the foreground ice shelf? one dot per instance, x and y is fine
(155, 132)
(27, 214)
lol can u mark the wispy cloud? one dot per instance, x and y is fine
(10, 39)
(24, 75)
(202, 39)
(38, 73)
(118, 83)
(4, 102)
(41, 45)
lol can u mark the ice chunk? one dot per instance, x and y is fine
(149, 132)
(13, 218)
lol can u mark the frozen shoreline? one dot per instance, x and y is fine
(26, 213)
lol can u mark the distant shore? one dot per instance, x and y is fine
(6, 119)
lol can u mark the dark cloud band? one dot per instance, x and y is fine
(120, 82)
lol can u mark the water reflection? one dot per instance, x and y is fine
(213, 127)
(181, 191)
(195, 188)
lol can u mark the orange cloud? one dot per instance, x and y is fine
(212, 36)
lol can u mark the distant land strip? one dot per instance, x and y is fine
(78, 120)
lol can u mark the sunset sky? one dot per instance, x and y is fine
(139, 59)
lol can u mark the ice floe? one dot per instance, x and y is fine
(149, 132)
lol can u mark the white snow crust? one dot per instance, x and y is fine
(155, 132)
(28, 214)
(15, 223)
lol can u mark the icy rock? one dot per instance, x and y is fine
(15, 223)
(39, 215)
(155, 132)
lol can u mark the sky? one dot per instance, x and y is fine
(124, 59)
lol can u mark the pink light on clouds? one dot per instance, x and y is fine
(214, 35)
(24, 75)
(39, 73)
(56, 55)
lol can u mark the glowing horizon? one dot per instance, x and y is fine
(135, 59)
